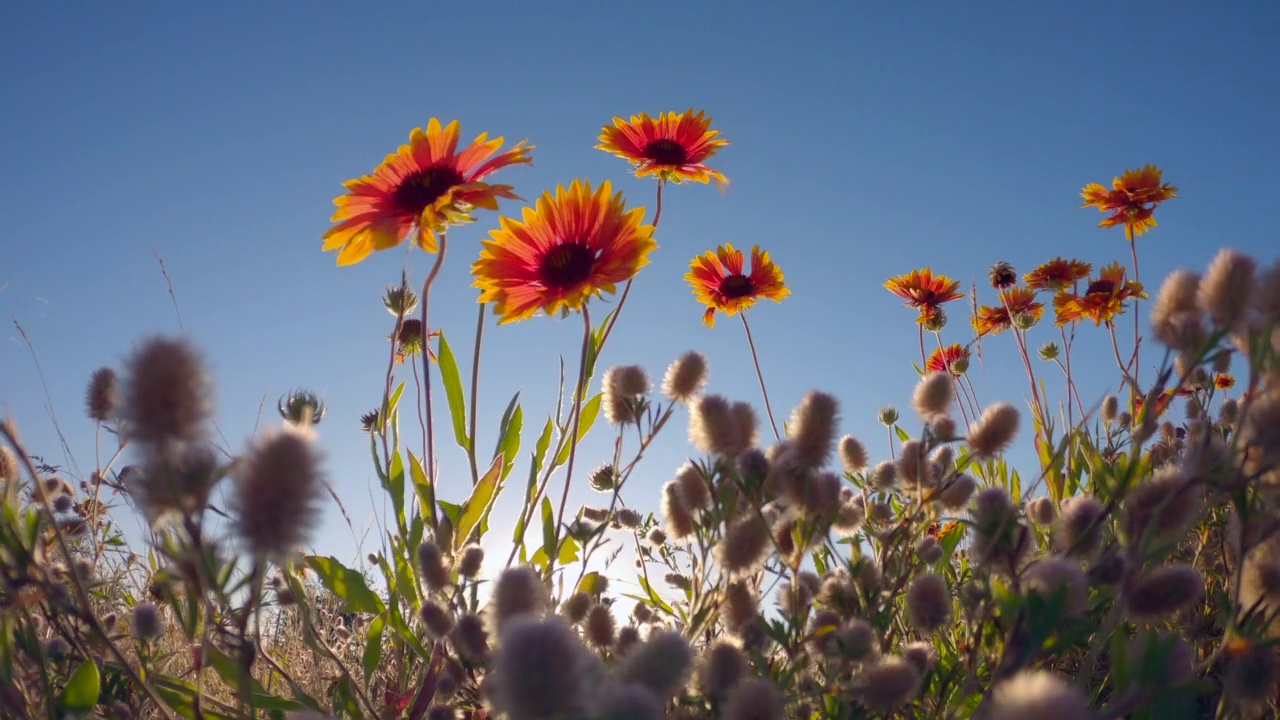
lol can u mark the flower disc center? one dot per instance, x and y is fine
(666, 152)
(566, 265)
(736, 286)
(423, 188)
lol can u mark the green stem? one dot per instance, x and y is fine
(475, 394)
(578, 392)
(760, 375)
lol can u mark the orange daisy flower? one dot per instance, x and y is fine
(569, 247)
(924, 291)
(1223, 381)
(995, 319)
(1132, 199)
(672, 147)
(1101, 301)
(719, 282)
(1057, 274)
(953, 358)
(424, 186)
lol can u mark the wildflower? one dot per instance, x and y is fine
(1041, 511)
(600, 627)
(680, 523)
(756, 698)
(470, 639)
(166, 394)
(1002, 275)
(1049, 351)
(933, 395)
(148, 624)
(712, 427)
(438, 620)
(928, 602)
(425, 186)
(100, 399)
(744, 545)
(576, 607)
(661, 664)
(889, 684)
(1225, 292)
(622, 404)
(719, 281)
(1162, 506)
(1051, 575)
(932, 319)
(543, 671)
(1037, 694)
(1102, 300)
(628, 518)
(409, 342)
(1014, 302)
(1079, 527)
(685, 377)
(1110, 408)
(994, 430)
(953, 358)
(472, 559)
(277, 494)
(955, 495)
(518, 591)
(1057, 275)
(721, 667)
(672, 146)
(812, 428)
(888, 416)
(1164, 590)
(603, 478)
(1132, 200)
(739, 605)
(400, 300)
(569, 247)
(369, 421)
(431, 560)
(924, 291)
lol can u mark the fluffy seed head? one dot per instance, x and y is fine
(1051, 575)
(856, 640)
(471, 639)
(885, 476)
(929, 551)
(100, 398)
(661, 664)
(603, 478)
(994, 431)
(1164, 590)
(576, 607)
(1038, 694)
(748, 426)
(943, 427)
(1260, 575)
(1079, 530)
(630, 702)
(1250, 678)
(853, 454)
(755, 699)
(166, 393)
(472, 560)
(148, 624)
(277, 493)
(685, 377)
(693, 487)
(439, 621)
(628, 518)
(628, 638)
(921, 654)
(518, 591)
(620, 406)
(600, 627)
(744, 545)
(721, 667)
(1163, 506)
(911, 464)
(435, 572)
(890, 684)
(712, 427)
(934, 395)
(542, 670)
(679, 520)
(739, 605)
(8, 464)
(1224, 295)
(928, 602)
(955, 495)
(442, 712)
(1176, 308)
(812, 428)
(1042, 511)
(1110, 408)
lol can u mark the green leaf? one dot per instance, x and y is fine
(453, 392)
(592, 583)
(421, 486)
(653, 599)
(373, 645)
(233, 674)
(509, 442)
(81, 692)
(477, 506)
(589, 412)
(539, 456)
(568, 553)
(395, 486)
(540, 450)
(346, 584)
(548, 527)
(394, 399)
(902, 434)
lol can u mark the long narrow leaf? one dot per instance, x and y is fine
(453, 393)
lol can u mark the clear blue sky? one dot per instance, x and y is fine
(868, 139)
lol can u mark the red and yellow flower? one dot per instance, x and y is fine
(673, 146)
(952, 358)
(1224, 381)
(569, 247)
(1058, 274)
(424, 187)
(721, 282)
(1102, 300)
(1132, 199)
(995, 319)
(924, 291)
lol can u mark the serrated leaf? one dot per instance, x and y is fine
(477, 506)
(453, 393)
(589, 412)
(80, 694)
(346, 584)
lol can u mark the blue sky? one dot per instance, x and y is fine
(867, 139)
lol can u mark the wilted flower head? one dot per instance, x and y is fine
(1037, 694)
(543, 671)
(604, 478)
(399, 299)
(685, 377)
(812, 428)
(100, 398)
(1002, 275)
(166, 393)
(277, 493)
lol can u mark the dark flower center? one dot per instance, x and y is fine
(736, 286)
(423, 188)
(1104, 287)
(666, 152)
(566, 265)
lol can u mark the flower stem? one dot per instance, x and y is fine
(578, 392)
(428, 439)
(1137, 338)
(768, 408)
(475, 394)
(626, 290)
